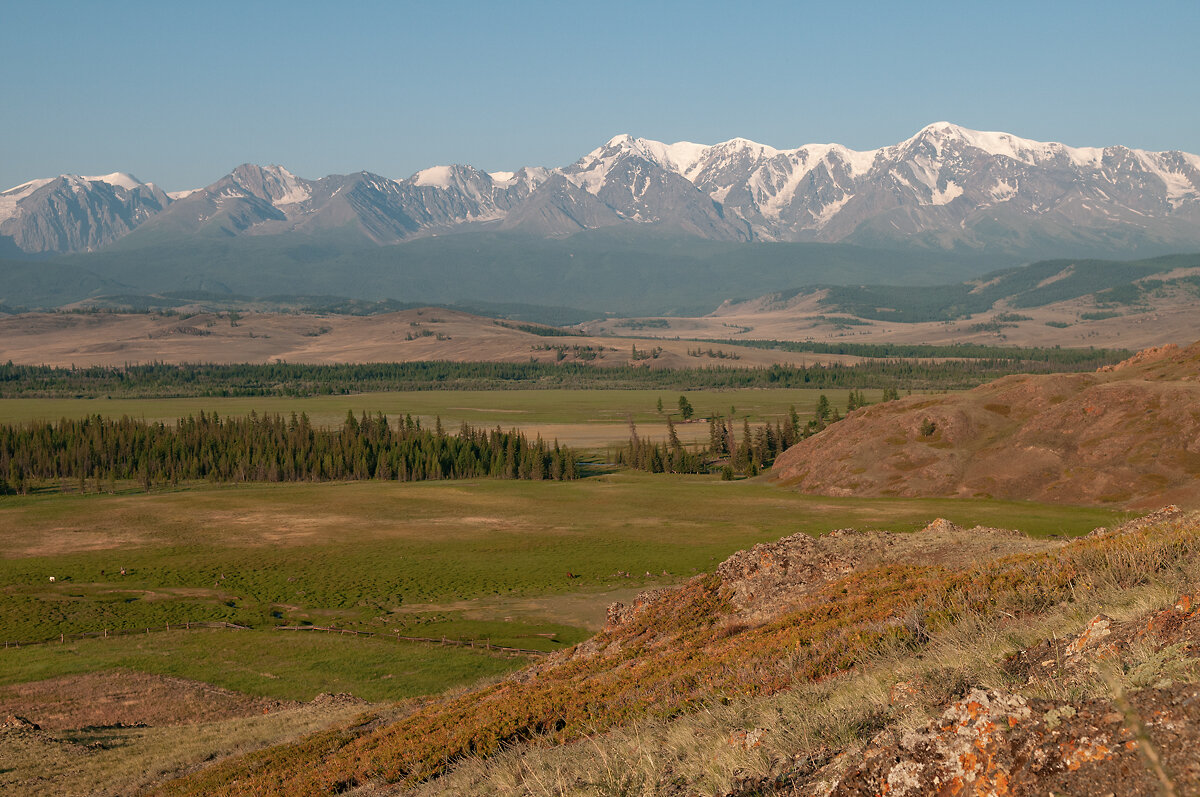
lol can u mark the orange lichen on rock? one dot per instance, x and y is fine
(1077, 752)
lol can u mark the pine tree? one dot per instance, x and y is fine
(685, 408)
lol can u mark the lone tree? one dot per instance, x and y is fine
(822, 412)
(685, 408)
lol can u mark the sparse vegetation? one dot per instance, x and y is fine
(540, 329)
(718, 354)
(646, 323)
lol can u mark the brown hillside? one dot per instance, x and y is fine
(1128, 434)
(85, 339)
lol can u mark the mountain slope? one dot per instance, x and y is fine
(72, 213)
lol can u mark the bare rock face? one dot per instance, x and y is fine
(770, 575)
(15, 722)
(1128, 436)
(621, 613)
(75, 214)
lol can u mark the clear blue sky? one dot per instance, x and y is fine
(180, 92)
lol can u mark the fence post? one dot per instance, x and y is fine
(106, 633)
(62, 639)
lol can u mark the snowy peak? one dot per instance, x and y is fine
(72, 213)
(118, 179)
(946, 186)
(274, 184)
(436, 176)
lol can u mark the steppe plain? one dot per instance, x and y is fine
(493, 575)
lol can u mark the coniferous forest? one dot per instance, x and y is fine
(97, 452)
(747, 453)
(903, 367)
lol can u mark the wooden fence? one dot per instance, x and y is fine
(188, 626)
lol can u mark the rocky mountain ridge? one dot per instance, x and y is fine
(947, 187)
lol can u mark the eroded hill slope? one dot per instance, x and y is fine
(1128, 434)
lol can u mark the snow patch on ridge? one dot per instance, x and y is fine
(435, 177)
(10, 198)
(1179, 186)
(829, 211)
(945, 196)
(118, 179)
(1002, 191)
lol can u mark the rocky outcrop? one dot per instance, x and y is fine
(997, 742)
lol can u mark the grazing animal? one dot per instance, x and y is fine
(51, 579)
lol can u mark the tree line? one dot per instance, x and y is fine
(1030, 356)
(748, 453)
(160, 380)
(97, 451)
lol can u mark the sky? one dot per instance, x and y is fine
(181, 92)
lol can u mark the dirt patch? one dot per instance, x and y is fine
(275, 528)
(125, 697)
(64, 540)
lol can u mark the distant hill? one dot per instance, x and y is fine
(620, 270)
(1124, 304)
(1125, 435)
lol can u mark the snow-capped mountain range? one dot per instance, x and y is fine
(946, 187)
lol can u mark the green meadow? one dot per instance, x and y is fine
(275, 664)
(477, 407)
(522, 564)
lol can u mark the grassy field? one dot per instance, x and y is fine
(581, 418)
(524, 564)
(276, 664)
